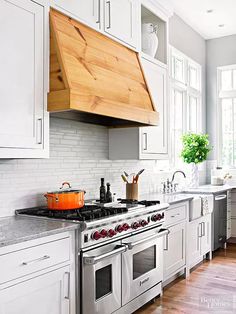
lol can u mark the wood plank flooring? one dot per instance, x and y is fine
(211, 288)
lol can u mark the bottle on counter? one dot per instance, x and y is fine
(108, 194)
(102, 192)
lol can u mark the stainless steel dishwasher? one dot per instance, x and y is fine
(219, 226)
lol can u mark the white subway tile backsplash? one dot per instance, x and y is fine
(78, 154)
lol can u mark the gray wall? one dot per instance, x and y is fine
(220, 52)
(188, 41)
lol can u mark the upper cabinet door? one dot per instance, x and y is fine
(155, 139)
(121, 20)
(22, 94)
(88, 11)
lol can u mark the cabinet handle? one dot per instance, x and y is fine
(67, 295)
(145, 141)
(173, 216)
(204, 229)
(199, 227)
(167, 242)
(99, 12)
(39, 131)
(36, 260)
(109, 14)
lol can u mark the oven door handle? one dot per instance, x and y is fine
(91, 260)
(161, 233)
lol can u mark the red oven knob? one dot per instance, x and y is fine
(111, 233)
(163, 215)
(119, 228)
(143, 223)
(96, 235)
(159, 217)
(103, 233)
(154, 218)
(126, 227)
(135, 225)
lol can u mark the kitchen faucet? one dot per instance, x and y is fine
(178, 171)
(170, 186)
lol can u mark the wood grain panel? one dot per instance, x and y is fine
(101, 75)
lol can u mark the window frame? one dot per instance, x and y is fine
(188, 91)
(222, 94)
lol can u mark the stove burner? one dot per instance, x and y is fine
(136, 202)
(88, 212)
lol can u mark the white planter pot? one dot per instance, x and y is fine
(194, 176)
(149, 39)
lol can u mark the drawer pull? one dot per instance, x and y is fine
(36, 260)
(173, 216)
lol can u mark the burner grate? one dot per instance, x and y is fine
(88, 212)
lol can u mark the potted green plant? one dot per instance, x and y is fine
(195, 150)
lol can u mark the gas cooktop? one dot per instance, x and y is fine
(89, 212)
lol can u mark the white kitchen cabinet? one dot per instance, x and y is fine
(193, 244)
(38, 276)
(87, 11)
(116, 18)
(24, 79)
(145, 142)
(174, 251)
(44, 294)
(206, 235)
(199, 240)
(155, 139)
(120, 20)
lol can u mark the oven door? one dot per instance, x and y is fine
(101, 279)
(142, 263)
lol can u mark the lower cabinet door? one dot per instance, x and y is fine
(206, 235)
(45, 294)
(174, 250)
(194, 242)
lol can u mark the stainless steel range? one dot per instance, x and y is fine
(120, 250)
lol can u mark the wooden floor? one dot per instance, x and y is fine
(211, 288)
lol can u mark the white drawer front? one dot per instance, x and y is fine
(175, 214)
(233, 210)
(228, 228)
(24, 262)
(233, 197)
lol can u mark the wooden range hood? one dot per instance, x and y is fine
(96, 77)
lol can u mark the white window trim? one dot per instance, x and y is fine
(184, 87)
(220, 95)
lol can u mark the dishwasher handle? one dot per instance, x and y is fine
(220, 197)
(161, 233)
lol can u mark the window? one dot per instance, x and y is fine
(226, 77)
(186, 99)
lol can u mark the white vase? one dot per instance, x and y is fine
(149, 39)
(194, 176)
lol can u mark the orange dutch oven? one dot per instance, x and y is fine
(65, 198)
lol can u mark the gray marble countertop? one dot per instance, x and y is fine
(17, 229)
(167, 198)
(211, 189)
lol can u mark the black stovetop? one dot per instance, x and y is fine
(86, 213)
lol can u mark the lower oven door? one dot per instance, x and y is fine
(101, 279)
(142, 263)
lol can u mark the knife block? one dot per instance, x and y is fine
(132, 191)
